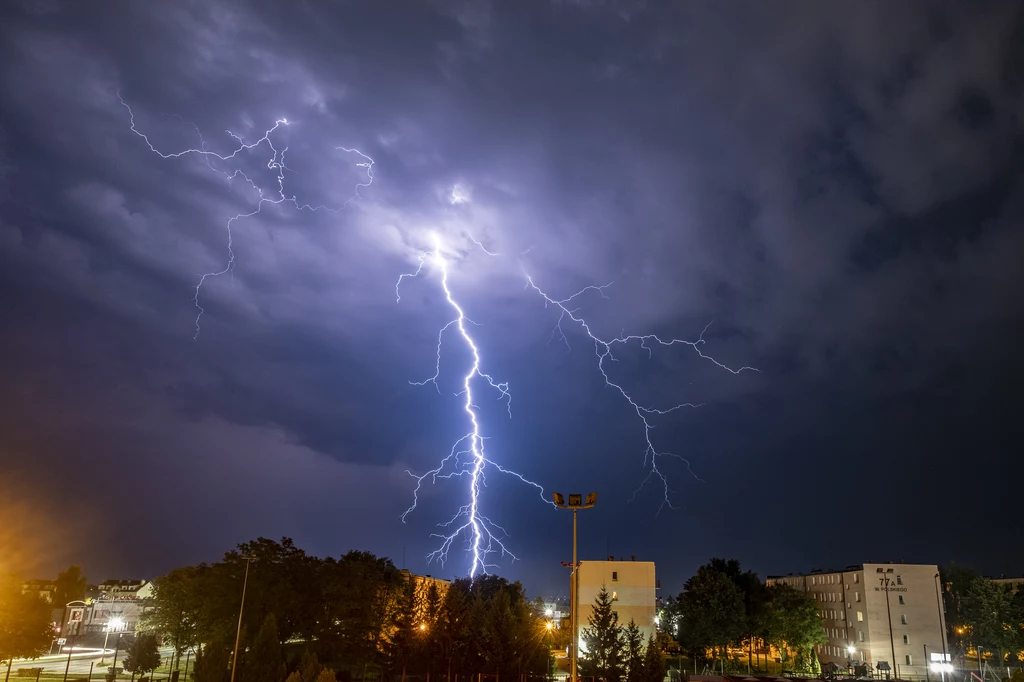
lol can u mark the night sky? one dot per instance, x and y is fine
(836, 188)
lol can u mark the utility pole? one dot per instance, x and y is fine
(238, 633)
(942, 626)
(888, 610)
(576, 503)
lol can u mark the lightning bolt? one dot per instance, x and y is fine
(467, 456)
(604, 351)
(274, 195)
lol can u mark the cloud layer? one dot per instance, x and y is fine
(836, 188)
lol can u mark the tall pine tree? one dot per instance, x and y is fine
(633, 641)
(654, 664)
(603, 641)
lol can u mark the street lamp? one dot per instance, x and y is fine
(576, 502)
(117, 624)
(886, 581)
(238, 633)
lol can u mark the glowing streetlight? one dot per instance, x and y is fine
(851, 650)
(117, 625)
(423, 627)
(549, 625)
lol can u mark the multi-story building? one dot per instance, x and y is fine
(631, 585)
(1013, 583)
(873, 614)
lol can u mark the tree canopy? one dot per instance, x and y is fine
(26, 630)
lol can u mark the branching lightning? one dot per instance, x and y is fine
(604, 351)
(468, 455)
(467, 458)
(274, 196)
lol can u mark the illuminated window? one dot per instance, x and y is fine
(860, 635)
(856, 577)
(856, 596)
(860, 616)
(615, 596)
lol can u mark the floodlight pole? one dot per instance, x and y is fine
(238, 632)
(576, 503)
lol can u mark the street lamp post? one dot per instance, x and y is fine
(942, 625)
(576, 502)
(238, 633)
(117, 624)
(888, 610)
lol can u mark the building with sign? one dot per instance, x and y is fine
(878, 615)
(632, 587)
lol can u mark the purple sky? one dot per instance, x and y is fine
(837, 188)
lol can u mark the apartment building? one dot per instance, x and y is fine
(631, 585)
(888, 614)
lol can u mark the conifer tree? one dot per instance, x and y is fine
(654, 664)
(603, 641)
(633, 643)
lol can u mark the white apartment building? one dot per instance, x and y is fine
(631, 585)
(878, 612)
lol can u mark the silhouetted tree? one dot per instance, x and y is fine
(70, 586)
(212, 662)
(633, 652)
(654, 664)
(603, 641)
(712, 611)
(143, 654)
(263, 661)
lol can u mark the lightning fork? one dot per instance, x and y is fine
(468, 455)
(274, 196)
(603, 350)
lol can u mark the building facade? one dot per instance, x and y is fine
(888, 614)
(632, 587)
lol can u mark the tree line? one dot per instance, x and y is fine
(357, 613)
(723, 607)
(982, 614)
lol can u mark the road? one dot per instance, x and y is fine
(81, 663)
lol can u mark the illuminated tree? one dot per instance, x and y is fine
(633, 643)
(603, 641)
(26, 630)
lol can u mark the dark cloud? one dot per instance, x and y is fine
(836, 187)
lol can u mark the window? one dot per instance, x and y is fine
(615, 575)
(856, 577)
(903, 618)
(899, 581)
(860, 635)
(910, 660)
(901, 600)
(615, 597)
(856, 596)
(860, 616)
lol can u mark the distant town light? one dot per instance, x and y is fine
(549, 613)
